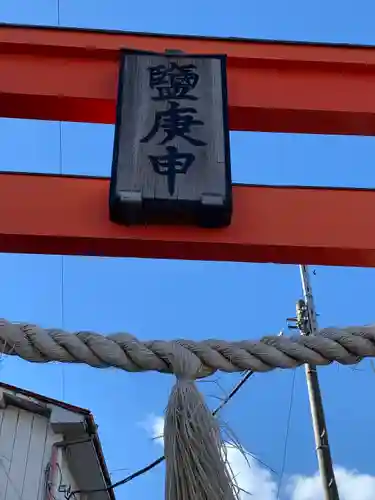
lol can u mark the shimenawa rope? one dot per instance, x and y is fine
(196, 466)
(121, 350)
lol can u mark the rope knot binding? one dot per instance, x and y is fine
(185, 365)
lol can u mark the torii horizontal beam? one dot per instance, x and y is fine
(52, 214)
(71, 75)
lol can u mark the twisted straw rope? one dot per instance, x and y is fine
(121, 350)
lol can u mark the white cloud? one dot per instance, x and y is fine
(352, 486)
(250, 476)
(154, 426)
(260, 484)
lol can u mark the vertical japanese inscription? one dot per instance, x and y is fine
(174, 83)
(171, 160)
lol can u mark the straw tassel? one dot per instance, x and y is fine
(195, 462)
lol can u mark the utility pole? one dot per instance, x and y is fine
(308, 325)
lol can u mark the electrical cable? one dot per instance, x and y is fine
(281, 476)
(62, 305)
(159, 460)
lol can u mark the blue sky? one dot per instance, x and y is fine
(223, 300)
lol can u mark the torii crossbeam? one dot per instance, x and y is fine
(71, 75)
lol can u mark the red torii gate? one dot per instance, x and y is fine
(71, 75)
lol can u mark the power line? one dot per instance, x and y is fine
(62, 275)
(233, 392)
(58, 12)
(161, 459)
(286, 435)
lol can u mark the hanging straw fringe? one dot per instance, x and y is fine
(196, 467)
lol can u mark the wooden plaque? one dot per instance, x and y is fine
(171, 159)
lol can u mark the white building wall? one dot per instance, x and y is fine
(26, 441)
